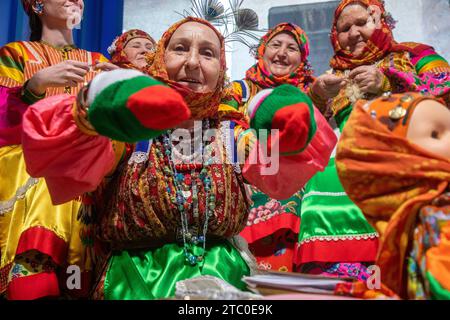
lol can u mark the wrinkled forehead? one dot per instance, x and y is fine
(139, 40)
(284, 35)
(351, 10)
(196, 31)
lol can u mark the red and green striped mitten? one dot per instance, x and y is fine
(287, 109)
(129, 106)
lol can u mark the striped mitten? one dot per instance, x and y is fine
(129, 106)
(287, 109)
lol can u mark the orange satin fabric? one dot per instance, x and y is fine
(390, 179)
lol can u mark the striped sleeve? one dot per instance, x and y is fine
(430, 61)
(12, 65)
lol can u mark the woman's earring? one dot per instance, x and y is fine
(38, 7)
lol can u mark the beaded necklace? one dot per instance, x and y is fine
(184, 183)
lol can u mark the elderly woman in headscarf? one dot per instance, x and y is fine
(130, 50)
(273, 225)
(394, 162)
(38, 240)
(169, 209)
(335, 237)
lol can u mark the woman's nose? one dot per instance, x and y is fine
(354, 32)
(193, 60)
(282, 51)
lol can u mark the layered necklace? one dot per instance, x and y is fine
(184, 182)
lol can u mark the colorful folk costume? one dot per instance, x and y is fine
(335, 238)
(403, 190)
(37, 239)
(273, 225)
(117, 52)
(166, 216)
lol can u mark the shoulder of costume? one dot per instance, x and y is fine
(415, 48)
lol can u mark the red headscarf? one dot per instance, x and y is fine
(378, 46)
(116, 50)
(202, 105)
(301, 77)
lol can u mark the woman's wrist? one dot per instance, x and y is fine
(29, 96)
(80, 113)
(319, 101)
(35, 87)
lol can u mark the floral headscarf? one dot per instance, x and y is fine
(116, 50)
(378, 46)
(302, 77)
(389, 177)
(202, 105)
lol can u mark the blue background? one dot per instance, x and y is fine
(102, 22)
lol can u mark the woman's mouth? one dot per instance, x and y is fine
(190, 81)
(280, 63)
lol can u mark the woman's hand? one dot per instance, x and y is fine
(368, 78)
(105, 66)
(65, 74)
(327, 86)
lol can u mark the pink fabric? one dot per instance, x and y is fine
(424, 53)
(12, 109)
(433, 83)
(294, 171)
(71, 162)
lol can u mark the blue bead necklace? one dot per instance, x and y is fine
(184, 187)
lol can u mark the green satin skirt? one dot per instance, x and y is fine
(326, 209)
(153, 274)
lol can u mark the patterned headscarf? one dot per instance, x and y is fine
(378, 46)
(389, 177)
(116, 50)
(301, 77)
(202, 105)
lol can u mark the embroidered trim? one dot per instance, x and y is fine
(324, 194)
(4, 272)
(365, 236)
(8, 205)
(140, 155)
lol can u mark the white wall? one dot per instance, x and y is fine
(153, 16)
(426, 21)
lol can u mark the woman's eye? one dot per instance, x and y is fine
(208, 53)
(179, 48)
(435, 134)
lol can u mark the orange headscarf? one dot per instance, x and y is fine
(202, 105)
(302, 77)
(389, 177)
(116, 50)
(378, 46)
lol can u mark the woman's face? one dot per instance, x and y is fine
(136, 49)
(61, 11)
(355, 26)
(282, 55)
(193, 57)
(430, 127)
